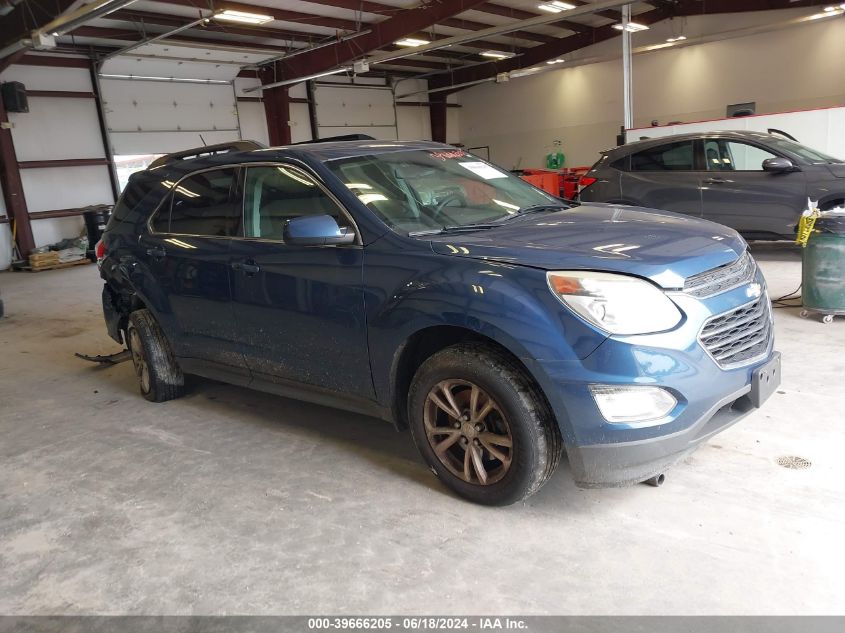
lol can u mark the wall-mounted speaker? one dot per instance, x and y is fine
(14, 96)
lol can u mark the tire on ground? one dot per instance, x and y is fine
(537, 444)
(165, 377)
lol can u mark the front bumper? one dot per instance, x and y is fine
(626, 463)
(709, 397)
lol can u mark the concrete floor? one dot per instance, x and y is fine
(233, 501)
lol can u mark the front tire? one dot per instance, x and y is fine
(482, 426)
(159, 376)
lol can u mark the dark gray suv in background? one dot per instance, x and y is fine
(753, 182)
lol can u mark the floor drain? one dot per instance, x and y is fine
(793, 462)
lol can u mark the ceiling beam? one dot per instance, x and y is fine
(382, 34)
(29, 16)
(283, 15)
(143, 18)
(469, 25)
(540, 54)
(521, 14)
(25, 18)
(457, 23)
(665, 9)
(133, 35)
(706, 7)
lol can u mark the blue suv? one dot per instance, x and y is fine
(417, 283)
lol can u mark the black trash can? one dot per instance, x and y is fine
(95, 223)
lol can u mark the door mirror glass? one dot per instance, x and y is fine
(316, 230)
(778, 165)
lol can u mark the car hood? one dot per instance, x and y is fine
(661, 246)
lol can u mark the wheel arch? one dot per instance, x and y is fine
(426, 342)
(831, 200)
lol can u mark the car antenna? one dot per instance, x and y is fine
(204, 144)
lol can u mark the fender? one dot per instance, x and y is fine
(494, 300)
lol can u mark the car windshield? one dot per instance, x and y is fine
(808, 154)
(416, 191)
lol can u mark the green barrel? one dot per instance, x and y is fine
(823, 270)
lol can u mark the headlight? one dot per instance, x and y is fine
(615, 303)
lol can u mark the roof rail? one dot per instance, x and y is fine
(342, 137)
(208, 150)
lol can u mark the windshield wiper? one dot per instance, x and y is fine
(463, 228)
(535, 208)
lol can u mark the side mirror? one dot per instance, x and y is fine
(316, 230)
(779, 165)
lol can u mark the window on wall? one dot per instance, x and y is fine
(722, 155)
(275, 194)
(128, 164)
(671, 157)
(206, 203)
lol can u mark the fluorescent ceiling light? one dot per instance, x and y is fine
(410, 41)
(522, 72)
(555, 6)
(680, 38)
(497, 54)
(559, 60)
(230, 15)
(632, 27)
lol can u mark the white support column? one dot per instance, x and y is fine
(627, 89)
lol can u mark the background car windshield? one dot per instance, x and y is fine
(807, 153)
(422, 190)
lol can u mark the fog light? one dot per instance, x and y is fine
(621, 404)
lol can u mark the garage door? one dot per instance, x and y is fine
(355, 110)
(168, 97)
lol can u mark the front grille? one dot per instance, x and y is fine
(712, 282)
(739, 336)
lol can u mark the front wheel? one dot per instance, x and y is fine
(482, 426)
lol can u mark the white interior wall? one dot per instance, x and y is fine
(794, 68)
(56, 128)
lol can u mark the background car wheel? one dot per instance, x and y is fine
(482, 426)
(158, 374)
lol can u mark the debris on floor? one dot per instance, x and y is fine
(107, 359)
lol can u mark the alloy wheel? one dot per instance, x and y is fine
(468, 432)
(142, 369)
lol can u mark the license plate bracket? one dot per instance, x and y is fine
(765, 380)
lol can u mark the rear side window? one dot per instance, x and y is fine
(204, 204)
(134, 205)
(672, 157)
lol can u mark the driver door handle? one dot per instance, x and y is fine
(714, 181)
(248, 267)
(157, 252)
